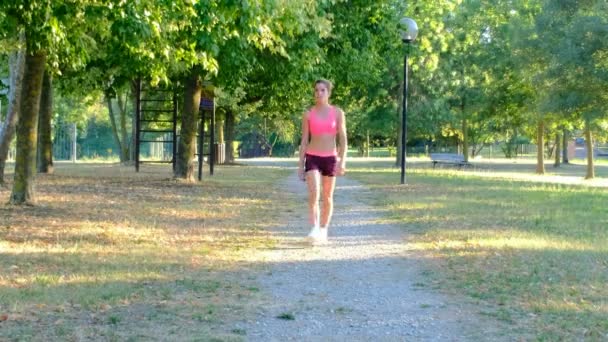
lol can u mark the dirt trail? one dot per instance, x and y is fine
(363, 285)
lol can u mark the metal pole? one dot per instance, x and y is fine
(174, 147)
(74, 144)
(137, 121)
(201, 143)
(404, 119)
(212, 140)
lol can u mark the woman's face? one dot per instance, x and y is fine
(321, 93)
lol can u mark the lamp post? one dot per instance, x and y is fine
(409, 31)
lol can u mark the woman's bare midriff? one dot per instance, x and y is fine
(322, 143)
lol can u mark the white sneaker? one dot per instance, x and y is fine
(318, 235)
(322, 235)
(314, 234)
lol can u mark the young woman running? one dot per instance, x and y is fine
(322, 157)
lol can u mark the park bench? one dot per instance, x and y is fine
(448, 158)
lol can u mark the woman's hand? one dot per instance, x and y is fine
(341, 171)
(301, 175)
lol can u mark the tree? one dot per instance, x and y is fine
(219, 32)
(117, 113)
(581, 90)
(45, 25)
(25, 161)
(184, 166)
(7, 128)
(133, 42)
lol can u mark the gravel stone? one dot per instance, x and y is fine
(363, 285)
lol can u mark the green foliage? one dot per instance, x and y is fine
(79, 110)
(500, 65)
(95, 140)
(576, 73)
(59, 28)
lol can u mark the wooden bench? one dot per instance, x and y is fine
(448, 158)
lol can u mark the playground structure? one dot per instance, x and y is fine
(156, 123)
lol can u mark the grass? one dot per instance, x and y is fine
(531, 251)
(287, 316)
(111, 254)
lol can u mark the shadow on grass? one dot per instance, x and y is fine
(536, 252)
(102, 240)
(174, 308)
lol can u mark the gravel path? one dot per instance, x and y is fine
(362, 285)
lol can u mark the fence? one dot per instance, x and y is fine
(158, 148)
(69, 145)
(64, 146)
(97, 141)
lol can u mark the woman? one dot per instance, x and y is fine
(321, 159)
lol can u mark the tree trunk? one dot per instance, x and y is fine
(220, 131)
(25, 163)
(230, 134)
(558, 138)
(465, 139)
(112, 116)
(589, 145)
(465, 130)
(122, 111)
(540, 142)
(184, 167)
(549, 150)
(565, 139)
(7, 128)
(367, 144)
(45, 126)
(465, 124)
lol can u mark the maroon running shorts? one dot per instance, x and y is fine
(325, 165)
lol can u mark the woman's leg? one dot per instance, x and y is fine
(329, 183)
(313, 182)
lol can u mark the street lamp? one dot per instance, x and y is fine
(409, 31)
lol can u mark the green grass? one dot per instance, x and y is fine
(535, 252)
(373, 152)
(288, 316)
(110, 254)
(115, 255)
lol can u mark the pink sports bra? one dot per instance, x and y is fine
(319, 125)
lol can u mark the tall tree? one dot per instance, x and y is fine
(54, 31)
(577, 72)
(224, 30)
(27, 127)
(7, 128)
(134, 41)
(184, 166)
(117, 113)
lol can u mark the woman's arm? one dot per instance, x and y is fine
(303, 144)
(343, 142)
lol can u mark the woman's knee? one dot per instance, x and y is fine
(313, 201)
(328, 197)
